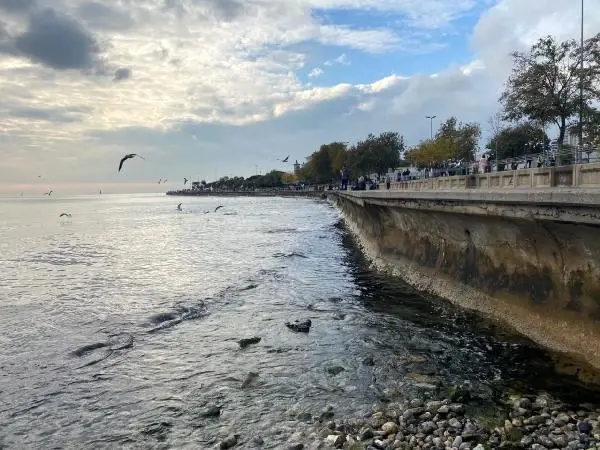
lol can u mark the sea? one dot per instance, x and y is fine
(119, 325)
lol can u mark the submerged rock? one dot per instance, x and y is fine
(299, 326)
(243, 343)
(229, 441)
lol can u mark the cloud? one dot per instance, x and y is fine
(17, 6)
(104, 17)
(316, 72)
(47, 114)
(121, 74)
(342, 60)
(238, 84)
(56, 40)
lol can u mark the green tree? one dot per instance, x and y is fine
(544, 84)
(324, 165)
(460, 139)
(591, 128)
(376, 153)
(517, 140)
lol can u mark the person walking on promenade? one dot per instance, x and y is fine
(344, 178)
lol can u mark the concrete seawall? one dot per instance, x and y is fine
(529, 258)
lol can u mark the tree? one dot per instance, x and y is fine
(460, 139)
(376, 153)
(324, 165)
(591, 128)
(517, 140)
(544, 84)
(430, 153)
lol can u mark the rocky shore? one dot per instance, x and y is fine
(529, 422)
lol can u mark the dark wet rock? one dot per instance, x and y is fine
(252, 376)
(326, 414)
(295, 446)
(459, 394)
(335, 370)
(163, 317)
(257, 440)
(339, 316)
(229, 441)
(158, 430)
(299, 326)
(211, 411)
(365, 433)
(584, 427)
(412, 412)
(243, 343)
(368, 361)
(81, 351)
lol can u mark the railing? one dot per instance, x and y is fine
(576, 175)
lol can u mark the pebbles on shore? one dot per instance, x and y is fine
(531, 423)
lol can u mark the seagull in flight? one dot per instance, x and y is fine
(65, 215)
(218, 207)
(126, 157)
(185, 180)
(179, 207)
(49, 193)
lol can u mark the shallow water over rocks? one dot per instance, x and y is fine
(121, 326)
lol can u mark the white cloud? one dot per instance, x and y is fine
(316, 72)
(342, 60)
(215, 88)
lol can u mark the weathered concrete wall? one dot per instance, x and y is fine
(538, 274)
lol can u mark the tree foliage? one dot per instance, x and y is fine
(544, 84)
(518, 140)
(454, 142)
(375, 154)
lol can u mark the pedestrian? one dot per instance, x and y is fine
(344, 178)
(388, 181)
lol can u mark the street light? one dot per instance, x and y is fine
(581, 93)
(431, 124)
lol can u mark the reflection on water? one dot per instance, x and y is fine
(121, 324)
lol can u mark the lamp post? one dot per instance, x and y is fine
(581, 93)
(431, 124)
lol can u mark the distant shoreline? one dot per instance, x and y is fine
(269, 193)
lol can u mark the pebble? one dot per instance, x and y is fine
(389, 428)
(443, 425)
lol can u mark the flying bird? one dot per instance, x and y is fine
(126, 157)
(286, 159)
(179, 207)
(49, 193)
(218, 207)
(65, 215)
(185, 180)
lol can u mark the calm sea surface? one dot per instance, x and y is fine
(119, 325)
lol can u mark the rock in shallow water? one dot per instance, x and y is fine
(229, 441)
(299, 326)
(243, 343)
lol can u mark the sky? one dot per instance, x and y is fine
(207, 88)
